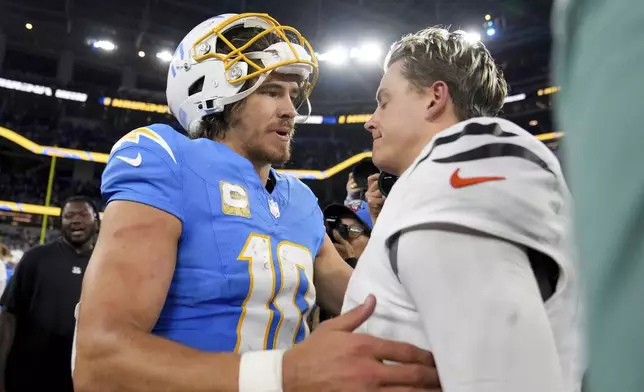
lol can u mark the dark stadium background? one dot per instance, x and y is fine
(59, 38)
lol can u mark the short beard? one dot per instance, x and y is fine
(270, 157)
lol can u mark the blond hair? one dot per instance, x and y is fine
(476, 85)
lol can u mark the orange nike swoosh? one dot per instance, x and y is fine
(459, 182)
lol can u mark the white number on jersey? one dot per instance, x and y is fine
(295, 263)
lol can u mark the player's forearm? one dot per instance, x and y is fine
(130, 361)
(332, 287)
(331, 277)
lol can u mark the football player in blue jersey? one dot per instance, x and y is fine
(209, 260)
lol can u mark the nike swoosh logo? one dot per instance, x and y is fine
(136, 162)
(460, 182)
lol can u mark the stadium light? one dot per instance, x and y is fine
(488, 17)
(141, 53)
(472, 37)
(491, 32)
(105, 45)
(368, 52)
(515, 98)
(165, 56)
(29, 26)
(335, 56)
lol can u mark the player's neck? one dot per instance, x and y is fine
(445, 122)
(424, 138)
(262, 168)
(263, 171)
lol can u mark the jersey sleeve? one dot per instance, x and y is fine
(490, 176)
(320, 230)
(144, 167)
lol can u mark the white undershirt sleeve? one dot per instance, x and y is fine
(481, 309)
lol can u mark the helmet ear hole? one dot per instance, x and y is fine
(196, 87)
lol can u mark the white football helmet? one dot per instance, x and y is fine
(224, 74)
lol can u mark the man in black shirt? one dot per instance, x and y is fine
(37, 319)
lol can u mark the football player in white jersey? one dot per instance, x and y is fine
(470, 255)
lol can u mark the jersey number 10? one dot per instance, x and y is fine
(274, 317)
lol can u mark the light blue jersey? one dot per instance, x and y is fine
(244, 274)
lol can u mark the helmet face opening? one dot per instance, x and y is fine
(295, 49)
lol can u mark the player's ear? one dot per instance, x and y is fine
(437, 99)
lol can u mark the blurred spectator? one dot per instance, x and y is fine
(37, 319)
(358, 183)
(7, 265)
(353, 191)
(350, 228)
(22, 238)
(31, 187)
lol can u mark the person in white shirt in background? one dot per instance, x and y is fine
(471, 255)
(5, 257)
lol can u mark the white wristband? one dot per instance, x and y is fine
(261, 371)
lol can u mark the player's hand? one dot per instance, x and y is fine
(375, 199)
(343, 246)
(335, 359)
(353, 192)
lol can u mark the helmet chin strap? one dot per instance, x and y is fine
(302, 119)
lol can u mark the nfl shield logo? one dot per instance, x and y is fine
(275, 209)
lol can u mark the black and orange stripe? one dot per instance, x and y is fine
(495, 150)
(473, 129)
(487, 151)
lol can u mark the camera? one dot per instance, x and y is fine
(386, 181)
(361, 171)
(334, 223)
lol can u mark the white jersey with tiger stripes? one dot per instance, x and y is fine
(491, 176)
